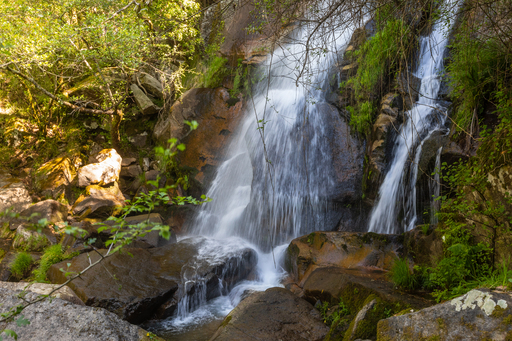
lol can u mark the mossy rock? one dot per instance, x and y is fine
(54, 177)
(364, 325)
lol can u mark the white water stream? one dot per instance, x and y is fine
(397, 194)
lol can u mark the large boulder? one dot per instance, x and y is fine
(480, 314)
(364, 294)
(99, 202)
(218, 116)
(55, 176)
(275, 314)
(104, 172)
(147, 280)
(354, 286)
(13, 193)
(64, 293)
(58, 320)
(341, 249)
(50, 210)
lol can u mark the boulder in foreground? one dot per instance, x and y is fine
(59, 320)
(480, 314)
(275, 314)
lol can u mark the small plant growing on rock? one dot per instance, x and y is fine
(402, 276)
(52, 255)
(21, 264)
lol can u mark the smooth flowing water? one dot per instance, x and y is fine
(276, 183)
(397, 194)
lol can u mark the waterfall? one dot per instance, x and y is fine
(277, 182)
(397, 194)
(434, 186)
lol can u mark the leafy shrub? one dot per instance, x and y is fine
(402, 276)
(21, 264)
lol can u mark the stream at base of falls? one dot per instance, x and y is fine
(200, 324)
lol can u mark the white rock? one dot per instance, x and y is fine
(104, 172)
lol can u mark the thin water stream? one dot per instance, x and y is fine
(397, 194)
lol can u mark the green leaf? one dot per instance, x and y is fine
(22, 321)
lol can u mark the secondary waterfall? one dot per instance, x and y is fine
(397, 194)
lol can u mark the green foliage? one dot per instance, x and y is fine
(331, 314)
(167, 158)
(477, 68)
(377, 59)
(402, 276)
(21, 264)
(361, 116)
(241, 76)
(216, 70)
(52, 255)
(379, 55)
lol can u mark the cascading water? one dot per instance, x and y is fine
(434, 185)
(397, 194)
(277, 181)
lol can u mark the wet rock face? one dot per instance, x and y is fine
(218, 116)
(105, 172)
(342, 249)
(275, 314)
(60, 320)
(347, 153)
(480, 314)
(151, 278)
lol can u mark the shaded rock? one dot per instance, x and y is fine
(151, 84)
(275, 314)
(151, 277)
(480, 314)
(140, 140)
(99, 201)
(152, 238)
(131, 171)
(31, 240)
(55, 176)
(342, 249)
(354, 286)
(391, 105)
(240, 43)
(383, 133)
(13, 193)
(51, 210)
(64, 293)
(216, 118)
(348, 155)
(408, 85)
(423, 249)
(105, 172)
(127, 161)
(58, 320)
(146, 106)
